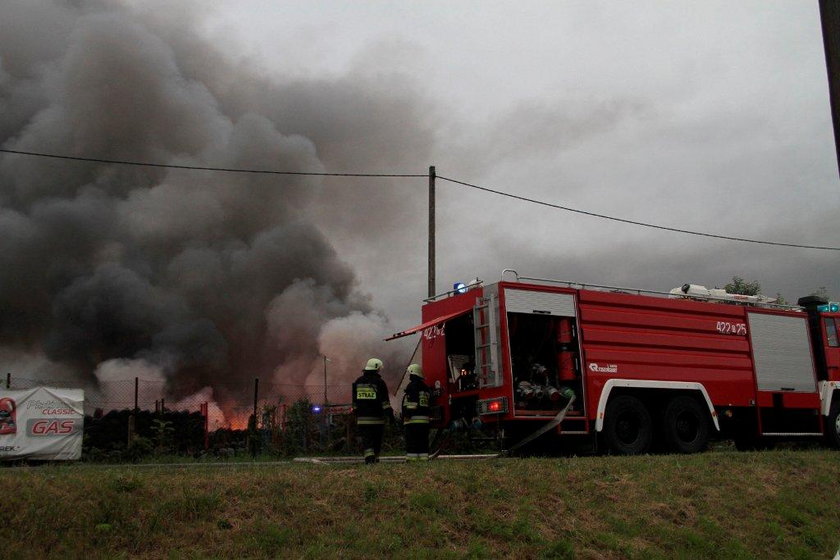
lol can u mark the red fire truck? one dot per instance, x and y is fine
(631, 370)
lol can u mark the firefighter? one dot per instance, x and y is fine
(415, 413)
(372, 407)
(466, 380)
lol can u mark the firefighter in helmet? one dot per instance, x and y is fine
(415, 413)
(372, 407)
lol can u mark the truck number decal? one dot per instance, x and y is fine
(433, 332)
(725, 327)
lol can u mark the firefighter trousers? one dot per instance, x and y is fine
(417, 441)
(371, 435)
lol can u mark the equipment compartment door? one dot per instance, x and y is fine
(543, 352)
(785, 377)
(782, 353)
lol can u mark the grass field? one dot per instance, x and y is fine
(774, 504)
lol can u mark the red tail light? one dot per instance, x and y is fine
(497, 405)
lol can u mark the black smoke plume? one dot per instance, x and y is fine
(206, 278)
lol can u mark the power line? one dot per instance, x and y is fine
(218, 169)
(423, 175)
(633, 222)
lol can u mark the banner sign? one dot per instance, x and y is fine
(42, 423)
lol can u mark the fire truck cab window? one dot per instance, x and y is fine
(831, 332)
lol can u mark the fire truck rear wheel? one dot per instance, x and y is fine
(685, 425)
(628, 428)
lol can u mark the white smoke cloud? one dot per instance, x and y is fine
(351, 340)
(116, 384)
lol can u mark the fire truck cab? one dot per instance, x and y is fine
(633, 370)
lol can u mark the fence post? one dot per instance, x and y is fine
(253, 441)
(136, 393)
(256, 397)
(131, 422)
(206, 413)
(8, 381)
(132, 419)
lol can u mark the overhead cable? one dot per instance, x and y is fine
(201, 168)
(634, 222)
(422, 175)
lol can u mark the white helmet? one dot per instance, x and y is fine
(415, 370)
(374, 364)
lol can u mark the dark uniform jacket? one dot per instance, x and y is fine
(370, 399)
(415, 404)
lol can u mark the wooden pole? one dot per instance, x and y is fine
(432, 176)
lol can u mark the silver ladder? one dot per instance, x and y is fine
(486, 343)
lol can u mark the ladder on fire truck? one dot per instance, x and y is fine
(486, 341)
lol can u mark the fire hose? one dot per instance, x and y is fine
(547, 427)
(551, 425)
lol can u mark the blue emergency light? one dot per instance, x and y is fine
(459, 288)
(316, 409)
(830, 307)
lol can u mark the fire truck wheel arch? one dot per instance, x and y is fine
(829, 394)
(641, 384)
(833, 425)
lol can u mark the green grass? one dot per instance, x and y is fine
(781, 504)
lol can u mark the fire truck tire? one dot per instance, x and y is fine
(628, 428)
(832, 431)
(685, 425)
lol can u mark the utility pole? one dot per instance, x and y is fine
(830, 19)
(324, 407)
(432, 290)
(325, 381)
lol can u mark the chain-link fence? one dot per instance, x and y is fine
(229, 404)
(130, 418)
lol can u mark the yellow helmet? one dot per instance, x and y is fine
(415, 370)
(374, 364)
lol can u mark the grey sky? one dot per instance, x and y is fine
(709, 116)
